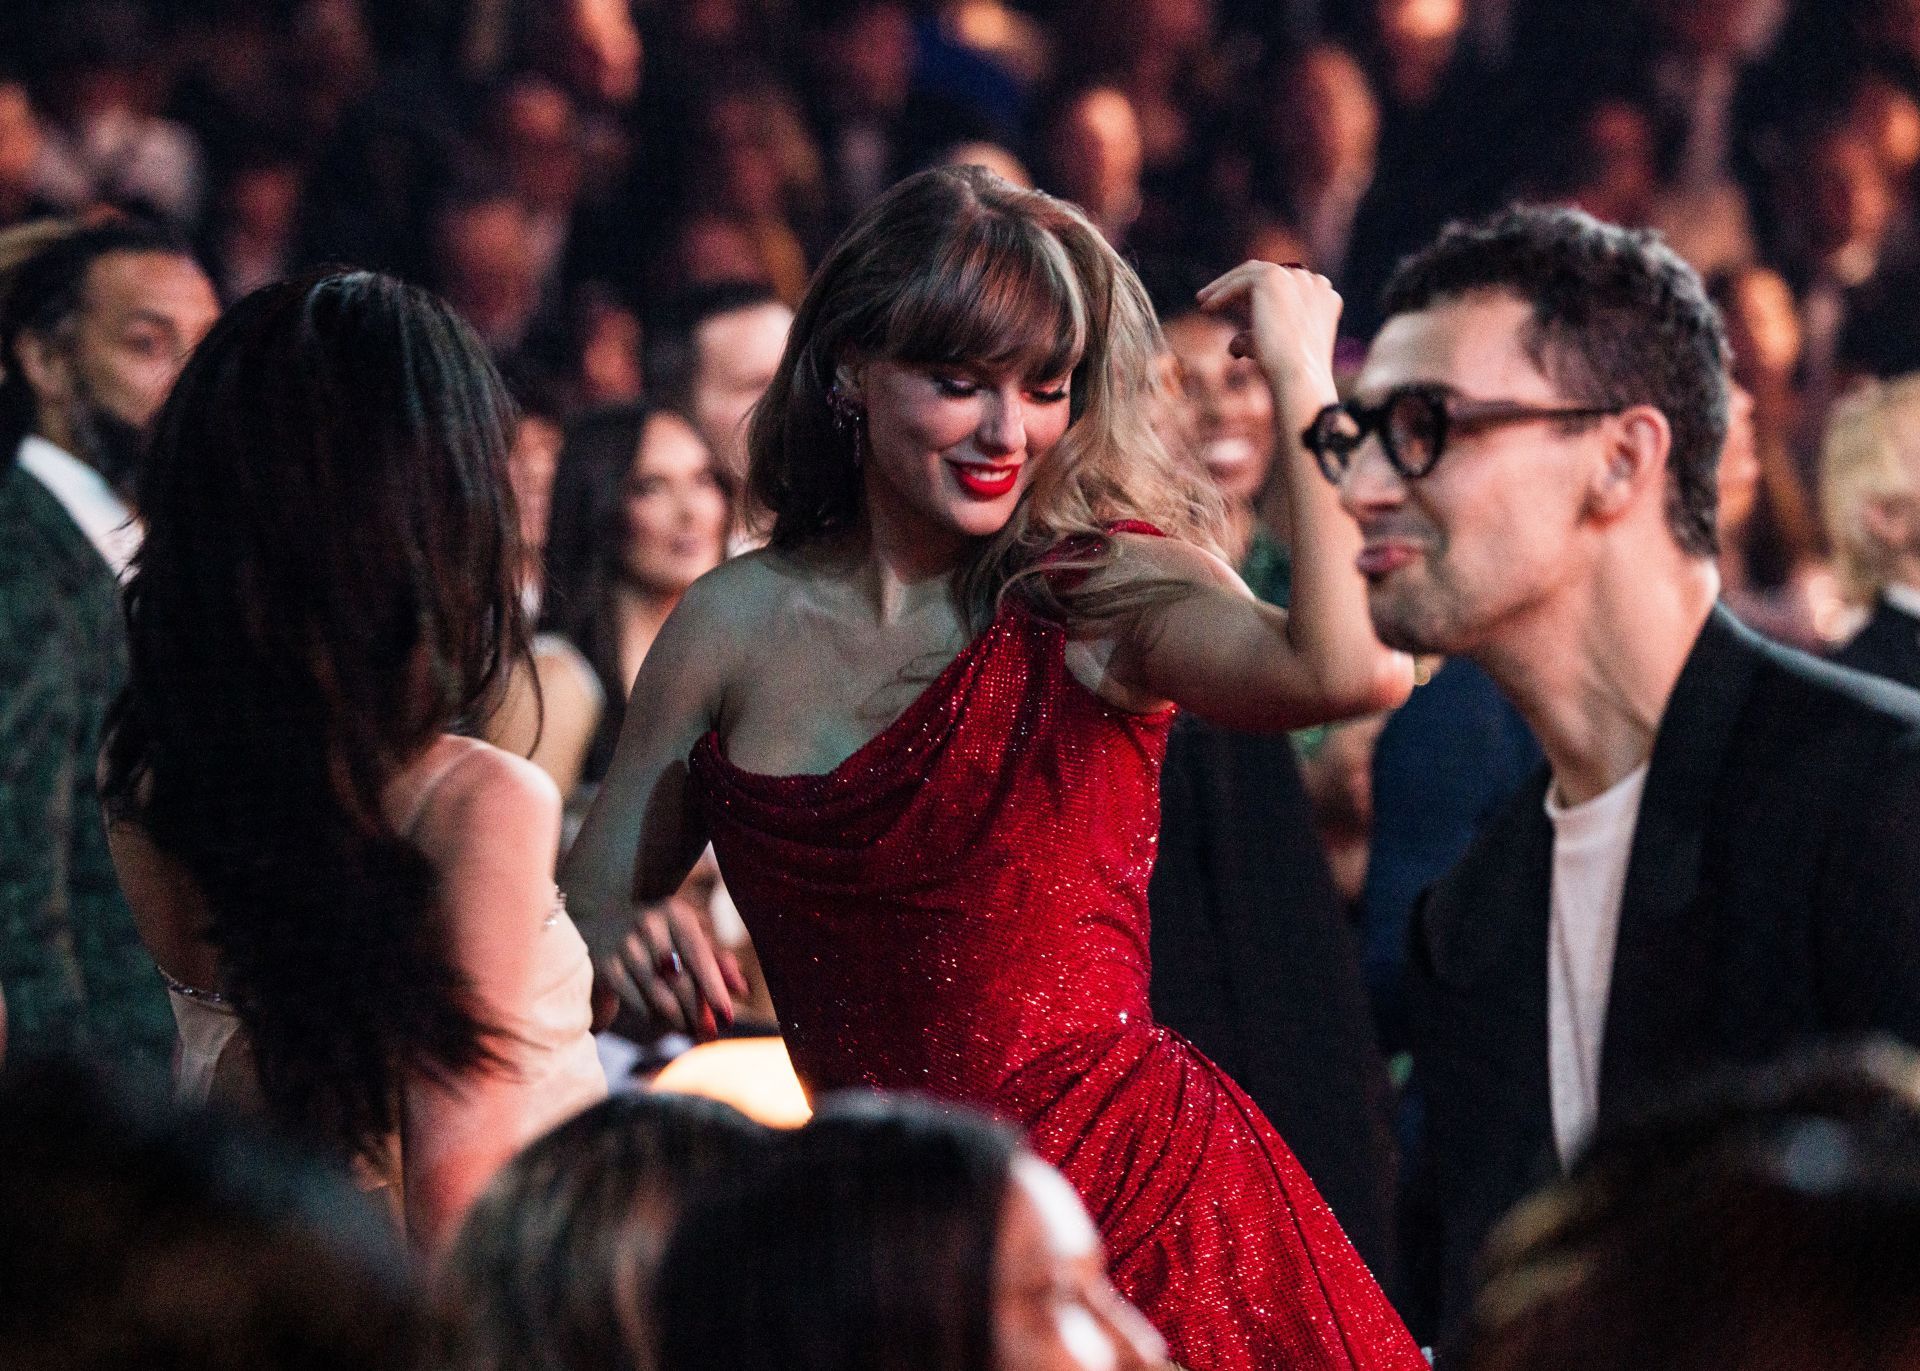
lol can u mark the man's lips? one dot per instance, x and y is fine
(1385, 557)
(985, 480)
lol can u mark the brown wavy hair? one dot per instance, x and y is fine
(954, 265)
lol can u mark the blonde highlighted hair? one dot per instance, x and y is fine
(955, 266)
(1871, 453)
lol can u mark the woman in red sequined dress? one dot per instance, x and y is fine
(923, 730)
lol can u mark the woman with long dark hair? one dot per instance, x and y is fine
(923, 730)
(640, 511)
(352, 903)
(891, 1234)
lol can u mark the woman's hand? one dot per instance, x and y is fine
(667, 968)
(1292, 318)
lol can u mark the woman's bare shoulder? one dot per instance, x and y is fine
(476, 793)
(724, 622)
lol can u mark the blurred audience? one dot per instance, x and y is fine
(1870, 484)
(1773, 571)
(1253, 956)
(132, 1235)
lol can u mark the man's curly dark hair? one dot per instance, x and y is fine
(1618, 319)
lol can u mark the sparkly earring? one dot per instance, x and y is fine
(849, 417)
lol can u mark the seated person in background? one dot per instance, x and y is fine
(711, 353)
(1770, 1224)
(352, 903)
(94, 326)
(135, 1235)
(895, 1234)
(1773, 570)
(640, 511)
(547, 712)
(1870, 478)
(1253, 960)
(554, 1266)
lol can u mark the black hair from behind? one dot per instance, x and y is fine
(329, 582)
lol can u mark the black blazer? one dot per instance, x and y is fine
(1888, 645)
(1254, 963)
(1772, 896)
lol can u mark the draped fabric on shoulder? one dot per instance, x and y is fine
(960, 908)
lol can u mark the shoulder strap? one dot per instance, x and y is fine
(432, 784)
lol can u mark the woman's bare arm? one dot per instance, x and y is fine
(1219, 651)
(641, 837)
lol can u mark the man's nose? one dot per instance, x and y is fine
(1370, 483)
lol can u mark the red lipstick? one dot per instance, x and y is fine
(984, 481)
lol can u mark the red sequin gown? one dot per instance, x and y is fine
(960, 908)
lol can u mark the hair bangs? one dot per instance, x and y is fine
(1004, 293)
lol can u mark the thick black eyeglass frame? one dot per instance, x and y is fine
(1334, 452)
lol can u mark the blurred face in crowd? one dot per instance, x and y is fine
(951, 448)
(1098, 155)
(490, 272)
(869, 59)
(1495, 529)
(101, 377)
(19, 139)
(262, 202)
(531, 462)
(1175, 26)
(712, 248)
(1617, 145)
(1739, 470)
(676, 510)
(736, 355)
(1329, 121)
(1851, 200)
(1054, 1309)
(1763, 328)
(1889, 118)
(1231, 407)
(604, 50)
(541, 144)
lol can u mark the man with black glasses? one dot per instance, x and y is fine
(1721, 858)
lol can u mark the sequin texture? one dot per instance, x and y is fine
(960, 908)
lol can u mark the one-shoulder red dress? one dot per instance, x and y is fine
(960, 909)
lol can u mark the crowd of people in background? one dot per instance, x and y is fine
(621, 203)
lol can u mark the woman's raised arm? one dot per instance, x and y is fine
(1217, 650)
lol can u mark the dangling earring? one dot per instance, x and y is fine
(849, 417)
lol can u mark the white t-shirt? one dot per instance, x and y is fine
(1591, 844)
(1904, 598)
(89, 501)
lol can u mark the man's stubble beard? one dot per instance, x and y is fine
(106, 442)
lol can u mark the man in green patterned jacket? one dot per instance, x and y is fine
(93, 328)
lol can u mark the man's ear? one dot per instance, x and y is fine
(1889, 520)
(49, 374)
(1638, 443)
